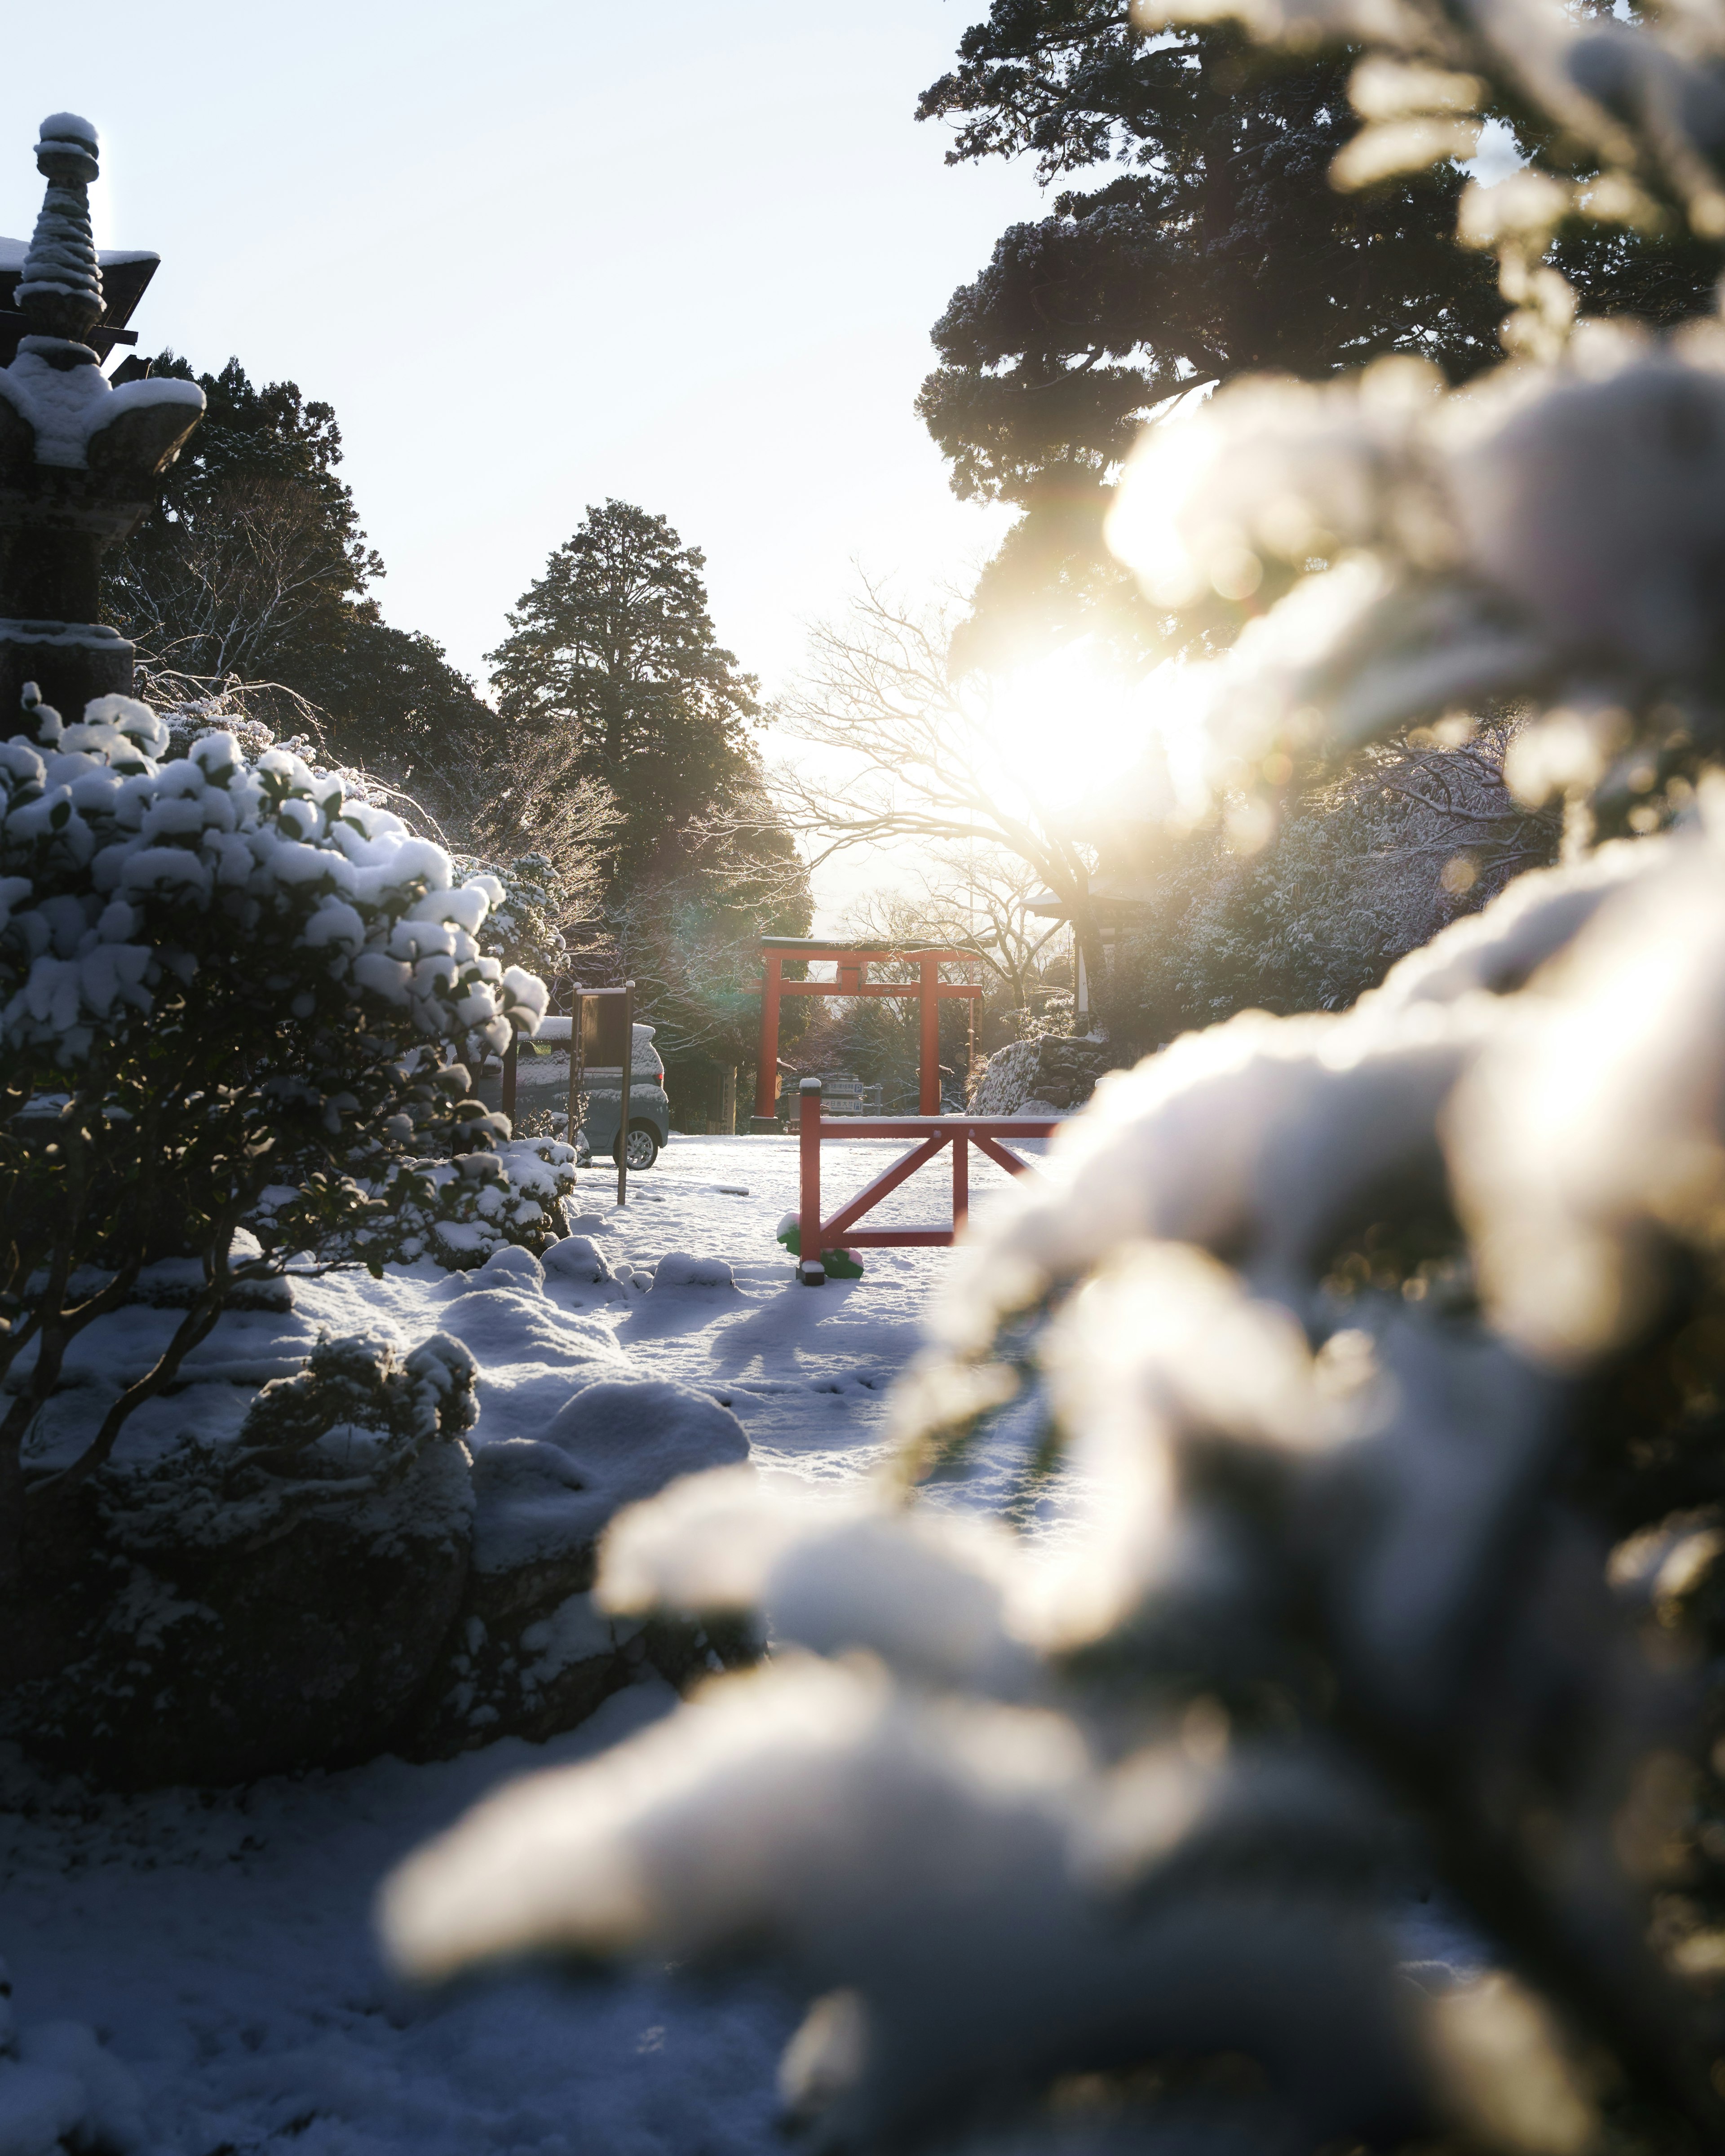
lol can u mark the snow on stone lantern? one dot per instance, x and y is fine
(78, 457)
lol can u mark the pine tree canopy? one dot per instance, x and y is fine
(614, 647)
(1216, 246)
(254, 564)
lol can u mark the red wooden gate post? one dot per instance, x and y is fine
(961, 1179)
(810, 1272)
(929, 1097)
(767, 1069)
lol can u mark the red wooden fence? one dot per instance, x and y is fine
(931, 1135)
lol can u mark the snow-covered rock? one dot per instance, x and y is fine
(1041, 1077)
(60, 2090)
(340, 1562)
(579, 1258)
(531, 1653)
(678, 1269)
(274, 1600)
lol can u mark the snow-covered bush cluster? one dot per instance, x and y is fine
(1548, 533)
(455, 1211)
(1360, 868)
(352, 1424)
(1381, 1355)
(140, 849)
(524, 924)
(59, 2089)
(232, 1004)
(1007, 1085)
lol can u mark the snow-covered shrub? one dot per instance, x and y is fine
(456, 1211)
(1360, 870)
(221, 977)
(359, 1400)
(680, 1268)
(59, 2089)
(1005, 1084)
(1385, 1351)
(1042, 1075)
(524, 925)
(256, 1600)
(838, 1265)
(579, 1258)
(352, 1423)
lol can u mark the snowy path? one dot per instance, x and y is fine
(221, 1945)
(221, 1949)
(805, 1369)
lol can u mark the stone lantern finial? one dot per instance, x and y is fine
(79, 454)
(60, 291)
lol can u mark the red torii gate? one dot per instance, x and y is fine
(853, 961)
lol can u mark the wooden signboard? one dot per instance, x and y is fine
(602, 1037)
(604, 1028)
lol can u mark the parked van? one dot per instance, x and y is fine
(541, 1080)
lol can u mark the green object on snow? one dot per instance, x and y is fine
(838, 1265)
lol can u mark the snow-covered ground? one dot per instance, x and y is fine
(805, 1369)
(220, 1945)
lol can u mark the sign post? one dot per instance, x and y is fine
(577, 1065)
(603, 1032)
(629, 1066)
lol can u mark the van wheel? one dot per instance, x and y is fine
(643, 1146)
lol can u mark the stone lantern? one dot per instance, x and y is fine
(78, 457)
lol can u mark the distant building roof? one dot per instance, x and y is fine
(1050, 907)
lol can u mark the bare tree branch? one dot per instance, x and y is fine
(917, 755)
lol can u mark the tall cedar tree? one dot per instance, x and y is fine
(254, 564)
(1216, 247)
(614, 647)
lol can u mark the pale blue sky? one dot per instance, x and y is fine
(534, 254)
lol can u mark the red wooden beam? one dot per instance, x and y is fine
(873, 955)
(929, 1061)
(896, 1239)
(811, 1245)
(867, 988)
(1001, 1155)
(912, 1128)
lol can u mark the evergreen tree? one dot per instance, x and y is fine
(254, 565)
(1216, 246)
(688, 933)
(614, 648)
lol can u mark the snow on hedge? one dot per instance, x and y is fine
(1548, 532)
(234, 1001)
(106, 849)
